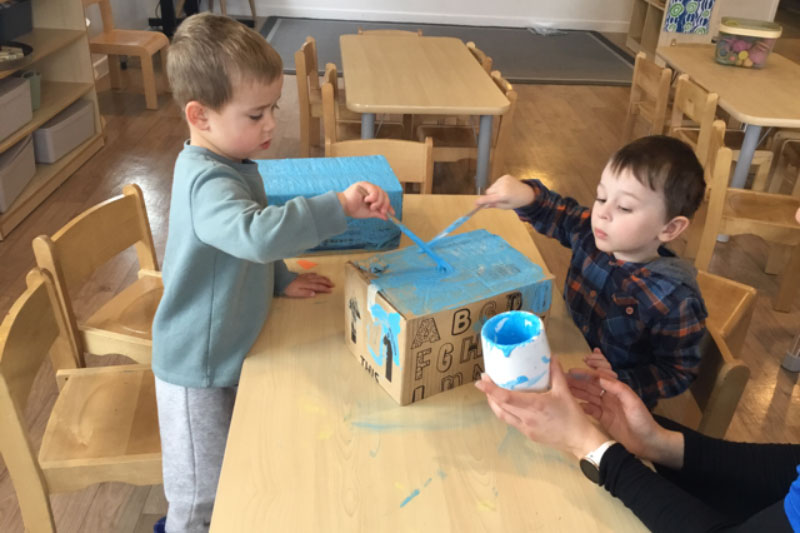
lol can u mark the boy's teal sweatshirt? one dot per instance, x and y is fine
(223, 264)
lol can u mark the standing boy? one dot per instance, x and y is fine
(634, 301)
(223, 257)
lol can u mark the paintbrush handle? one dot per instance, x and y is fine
(455, 225)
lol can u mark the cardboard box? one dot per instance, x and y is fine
(285, 179)
(416, 330)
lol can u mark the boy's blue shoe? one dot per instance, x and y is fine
(160, 526)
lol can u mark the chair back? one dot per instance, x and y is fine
(693, 112)
(649, 96)
(27, 333)
(92, 238)
(305, 62)
(480, 56)
(411, 161)
(503, 125)
(730, 306)
(396, 33)
(105, 12)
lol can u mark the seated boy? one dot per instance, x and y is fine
(631, 297)
(223, 260)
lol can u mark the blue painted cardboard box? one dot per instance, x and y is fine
(285, 179)
(416, 330)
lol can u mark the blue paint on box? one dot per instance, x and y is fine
(285, 179)
(485, 266)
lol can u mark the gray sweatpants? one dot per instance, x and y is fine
(194, 424)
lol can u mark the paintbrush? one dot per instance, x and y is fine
(452, 227)
(441, 264)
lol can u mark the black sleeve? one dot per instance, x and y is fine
(735, 478)
(663, 506)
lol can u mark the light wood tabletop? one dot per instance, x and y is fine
(763, 97)
(415, 75)
(766, 97)
(317, 445)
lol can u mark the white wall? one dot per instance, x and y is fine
(604, 15)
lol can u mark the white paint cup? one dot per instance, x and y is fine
(515, 351)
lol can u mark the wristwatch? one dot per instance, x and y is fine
(590, 463)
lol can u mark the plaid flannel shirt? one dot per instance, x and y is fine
(648, 325)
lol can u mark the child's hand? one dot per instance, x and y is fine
(597, 361)
(365, 200)
(507, 193)
(307, 286)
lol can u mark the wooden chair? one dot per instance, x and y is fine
(142, 44)
(711, 401)
(742, 211)
(456, 142)
(337, 126)
(123, 324)
(396, 33)
(481, 57)
(694, 103)
(103, 425)
(649, 97)
(786, 153)
(309, 96)
(411, 161)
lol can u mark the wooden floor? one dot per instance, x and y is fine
(563, 135)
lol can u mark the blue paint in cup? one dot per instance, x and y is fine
(511, 329)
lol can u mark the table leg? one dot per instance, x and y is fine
(752, 134)
(367, 125)
(484, 148)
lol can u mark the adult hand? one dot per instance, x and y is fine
(507, 193)
(553, 417)
(365, 200)
(624, 416)
(307, 286)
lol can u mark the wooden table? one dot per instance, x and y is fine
(317, 445)
(755, 97)
(420, 76)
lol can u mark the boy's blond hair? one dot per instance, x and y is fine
(211, 54)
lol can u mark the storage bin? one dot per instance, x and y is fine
(64, 132)
(15, 105)
(745, 42)
(17, 167)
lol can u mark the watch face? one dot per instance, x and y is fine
(590, 470)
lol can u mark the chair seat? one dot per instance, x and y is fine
(121, 42)
(772, 214)
(129, 315)
(450, 142)
(93, 419)
(343, 114)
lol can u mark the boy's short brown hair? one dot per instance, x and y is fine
(210, 54)
(667, 165)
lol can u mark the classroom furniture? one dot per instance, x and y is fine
(102, 427)
(456, 142)
(421, 76)
(309, 95)
(736, 211)
(61, 55)
(411, 161)
(756, 98)
(649, 97)
(122, 324)
(142, 44)
(480, 56)
(335, 117)
(786, 151)
(710, 402)
(694, 103)
(394, 33)
(357, 461)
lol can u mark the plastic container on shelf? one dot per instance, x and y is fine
(745, 42)
(64, 132)
(15, 105)
(17, 167)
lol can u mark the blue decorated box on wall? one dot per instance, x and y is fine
(416, 330)
(285, 179)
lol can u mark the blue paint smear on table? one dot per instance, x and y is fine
(285, 179)
(485, 265)
(410, 497)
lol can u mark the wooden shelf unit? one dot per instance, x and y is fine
(61, 55)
